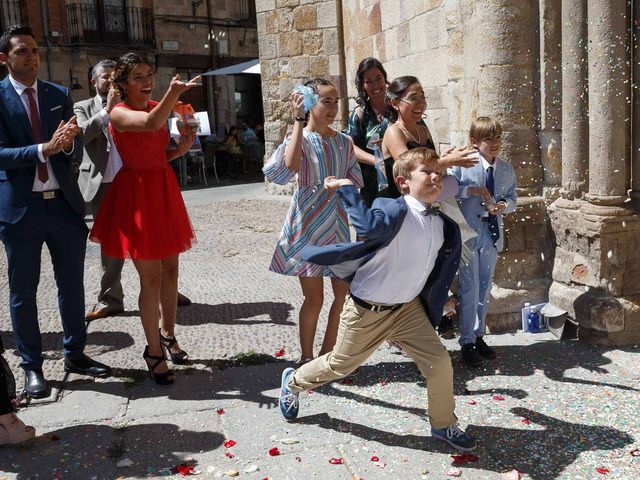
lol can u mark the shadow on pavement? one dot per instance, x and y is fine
(500, 449)
(93, 451)
(236, 313)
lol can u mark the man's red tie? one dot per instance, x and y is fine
(34, 116)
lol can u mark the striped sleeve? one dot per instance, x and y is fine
(275, 169)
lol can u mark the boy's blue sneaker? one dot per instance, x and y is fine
(288, 400)
(456, 437)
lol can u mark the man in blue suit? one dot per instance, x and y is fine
(40, 203)
(399, 273)
(487, 192)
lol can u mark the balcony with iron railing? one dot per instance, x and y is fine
(99, 23)
(13, 12)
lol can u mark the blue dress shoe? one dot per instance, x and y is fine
(34, 384)
(86, 366)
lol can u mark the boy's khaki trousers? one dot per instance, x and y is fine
(359, 335)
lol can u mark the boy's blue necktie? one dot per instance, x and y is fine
(494, 229)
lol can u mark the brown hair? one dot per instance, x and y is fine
(408, 161)
(125, 65)
(396, 90)
(483, 128)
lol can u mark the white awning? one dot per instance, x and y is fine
(252, 66)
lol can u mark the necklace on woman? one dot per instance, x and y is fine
(419, 140)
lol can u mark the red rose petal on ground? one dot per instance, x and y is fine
(635, 452)
(184, 470)
(375, 459)
(280, 353)
(464, 458)
(274, 452)
(229, 443)
(220, 411)
(335, 461)
(602, 470)
(228, 454)
(526, 421)
(498, 397)
(472, 402)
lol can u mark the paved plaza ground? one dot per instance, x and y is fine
(546, 408)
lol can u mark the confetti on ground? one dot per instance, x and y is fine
(526, 421)
(336, 461)
(375, 459)
(251, 469)
(274, 452)
(499, 398)
(512, 475)
(472, 402)
(289, 441)
(229, 443)
(184, 470)
(233, 473)
(384, 383)
(454, 472)
(125, 462)
(220, 411)
(228, 454)
(635, 452)
(602, 470)
(280, 353)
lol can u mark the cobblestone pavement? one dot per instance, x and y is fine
(546, 408)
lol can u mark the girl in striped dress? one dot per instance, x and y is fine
(313, 151)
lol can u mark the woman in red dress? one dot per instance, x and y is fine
(143, 216)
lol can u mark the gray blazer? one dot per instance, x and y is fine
(95, 138)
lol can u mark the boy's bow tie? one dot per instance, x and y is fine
(431, 210)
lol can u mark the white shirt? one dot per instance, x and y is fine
(51, 183)
(114, 162)
(398, 272)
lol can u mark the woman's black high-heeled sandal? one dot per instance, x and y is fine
(165, 378)
(179, 358)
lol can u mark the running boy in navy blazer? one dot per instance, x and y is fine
(399, 271)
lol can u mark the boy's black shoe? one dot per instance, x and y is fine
(483, 349)
(470, 355)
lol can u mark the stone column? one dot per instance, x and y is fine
(575, 119)
(550, 133)
(609, 102)
(635, 93)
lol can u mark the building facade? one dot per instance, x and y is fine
(187, 37)
(557, 74)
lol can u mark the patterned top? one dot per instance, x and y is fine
(361, 129)
(315, 217)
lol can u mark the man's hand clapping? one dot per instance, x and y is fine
(62, 138)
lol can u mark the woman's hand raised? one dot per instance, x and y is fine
(179, 87)
(465, 157)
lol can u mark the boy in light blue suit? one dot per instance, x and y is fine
(486, 192)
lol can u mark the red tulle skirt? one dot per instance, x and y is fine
(143, 216)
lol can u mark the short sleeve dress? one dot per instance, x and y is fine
(315, 217)
(143, 215)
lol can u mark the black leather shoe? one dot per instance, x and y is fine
(86, 366)
(483, 349)
(470, 355)
(34, 384)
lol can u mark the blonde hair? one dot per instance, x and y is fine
(408, 161)
(483, 128)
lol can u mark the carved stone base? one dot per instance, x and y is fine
(596, 269)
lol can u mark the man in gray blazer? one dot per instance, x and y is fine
(100, 163)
